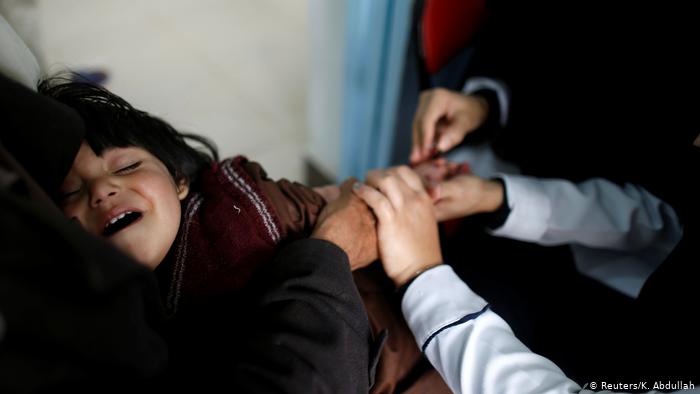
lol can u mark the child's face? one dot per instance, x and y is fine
(127, 196)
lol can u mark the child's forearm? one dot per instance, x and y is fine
(296, 206)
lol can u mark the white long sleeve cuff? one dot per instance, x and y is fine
(530, 209)
(499, 87)
(619, 234)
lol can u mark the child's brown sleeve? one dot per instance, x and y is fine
(297, 206)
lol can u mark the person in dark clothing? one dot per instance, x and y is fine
(76, 313)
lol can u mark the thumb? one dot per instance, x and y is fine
(449, 137)
(346, 186)
(448, 205)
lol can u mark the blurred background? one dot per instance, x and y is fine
(236, 71)
(312, 89)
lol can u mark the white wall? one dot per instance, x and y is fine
(235, 71)
(327, 28)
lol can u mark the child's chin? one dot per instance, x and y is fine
(149, 258)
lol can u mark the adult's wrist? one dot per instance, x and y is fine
(481, 113)
(325, 234)
(404, 278)
(492, 196)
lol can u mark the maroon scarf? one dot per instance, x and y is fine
(228, 231)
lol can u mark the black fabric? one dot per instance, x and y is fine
(598, 89)
(670, 294)
(42, 134)
(75, 312)
(77, 315)
(301, 328)
(497, 218)
(590, 331)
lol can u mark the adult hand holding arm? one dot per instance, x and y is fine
(407, 230)
(348, 223)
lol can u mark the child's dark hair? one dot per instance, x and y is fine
(112, 122)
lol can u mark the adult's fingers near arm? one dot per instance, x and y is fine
(410, 178)
(417, 131)
(451, 134)
(380, 204)
(415, 156)
(387, 184)
(434, 109)
(423, 131)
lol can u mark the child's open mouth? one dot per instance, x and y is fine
(120, 222)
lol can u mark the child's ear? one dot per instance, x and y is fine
(183, 189)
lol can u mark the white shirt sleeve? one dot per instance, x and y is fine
(618, 234)
(473, 349)
(596, 213)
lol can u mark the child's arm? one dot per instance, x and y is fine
(297, 206)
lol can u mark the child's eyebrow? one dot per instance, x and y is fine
(117, 154)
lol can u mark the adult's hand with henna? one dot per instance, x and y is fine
(442, 120)
(348, 222)
(407, 230)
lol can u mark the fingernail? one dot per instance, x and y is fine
(357, 185)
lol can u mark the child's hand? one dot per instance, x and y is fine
(435, 171)
(466, 195)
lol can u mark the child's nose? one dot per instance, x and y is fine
(99, 199)
(102, 191)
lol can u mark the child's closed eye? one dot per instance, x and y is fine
(67, 195)
(128, 169)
